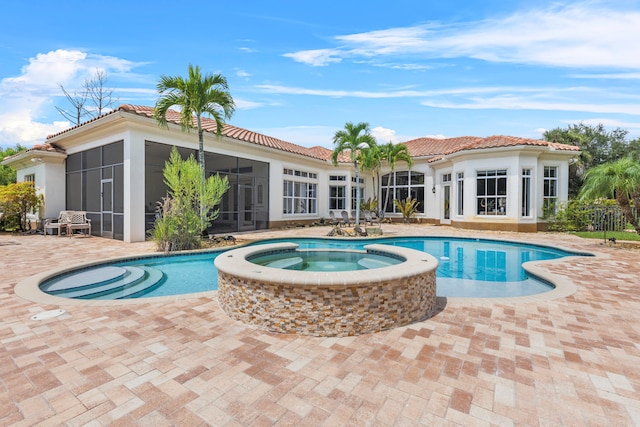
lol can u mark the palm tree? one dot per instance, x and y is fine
(370, 159)
(620, 179)
(351, 139)
(394, 153)
(198, 95)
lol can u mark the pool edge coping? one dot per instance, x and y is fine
(29, 288)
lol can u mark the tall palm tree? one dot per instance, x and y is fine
(620, 179)
(394, 153)
(351, 139)
(196, 96)
(370, 159)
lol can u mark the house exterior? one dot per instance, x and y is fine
(111, 167)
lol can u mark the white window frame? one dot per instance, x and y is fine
(299, 192)
(549, 191)
(460, 193)
(526, 208)
(337, 192)
(492, 203)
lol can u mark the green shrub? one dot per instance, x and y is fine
(188, 209)
(572, 216)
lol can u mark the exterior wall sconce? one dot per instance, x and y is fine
(433, 190)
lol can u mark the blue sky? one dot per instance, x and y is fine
(299, 70)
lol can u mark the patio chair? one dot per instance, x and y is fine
(59, 223)
(368, 217)
(345, 218)
(374, 218)
(79, 221)
(334, 220)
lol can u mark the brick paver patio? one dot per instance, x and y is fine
(182, 361)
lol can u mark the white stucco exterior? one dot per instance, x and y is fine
(136, 131)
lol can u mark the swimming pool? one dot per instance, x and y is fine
(476, 268)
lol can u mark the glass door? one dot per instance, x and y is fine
(246, 202)
(107, 208)
(446, 204)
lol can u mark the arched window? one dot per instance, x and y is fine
(400, 185)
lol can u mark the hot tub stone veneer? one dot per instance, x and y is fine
(327, 304)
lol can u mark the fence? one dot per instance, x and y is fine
(609, 218)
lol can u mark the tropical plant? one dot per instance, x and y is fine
(407, 207)
(351, 139)
(196, 96)
(17, 200)
(394, 153)
(619, 180)
(370, 159)
(370, 205)
(179, 224)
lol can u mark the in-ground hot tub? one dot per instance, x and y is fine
(327, 303)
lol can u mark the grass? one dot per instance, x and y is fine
(619, 235)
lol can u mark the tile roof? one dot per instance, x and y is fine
(419, 147)
(230, 131)
(47, 146)
(425, 147)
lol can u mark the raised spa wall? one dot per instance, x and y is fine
(327, 303)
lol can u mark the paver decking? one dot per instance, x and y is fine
(567, 361)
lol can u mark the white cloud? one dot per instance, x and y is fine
(577, 35)
(242, 104)
(505, 102)
(540, 131)
(611, 123)
(615, 76)
(317, 57)
(582, 99)
(22, 128)
(384, 135)
(242, 73)
(27, 96)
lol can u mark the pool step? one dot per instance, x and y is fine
(153, 279)
(84, 279)
(134, 280)
(285, 262)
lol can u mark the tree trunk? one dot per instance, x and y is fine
(202, 171)
(636, 203)
(357, 195)
(623, 202)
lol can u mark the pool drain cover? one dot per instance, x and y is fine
(48, 314)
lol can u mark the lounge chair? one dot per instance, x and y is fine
(374, 218)
(345, 218)
(334, 220)
(368, 217)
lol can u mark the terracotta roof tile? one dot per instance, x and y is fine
(230, 131)
(419, 147)
(47, 146)
(425, 147)
(439, 147)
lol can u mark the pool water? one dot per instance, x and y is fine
(467, 267)
(322, 260)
